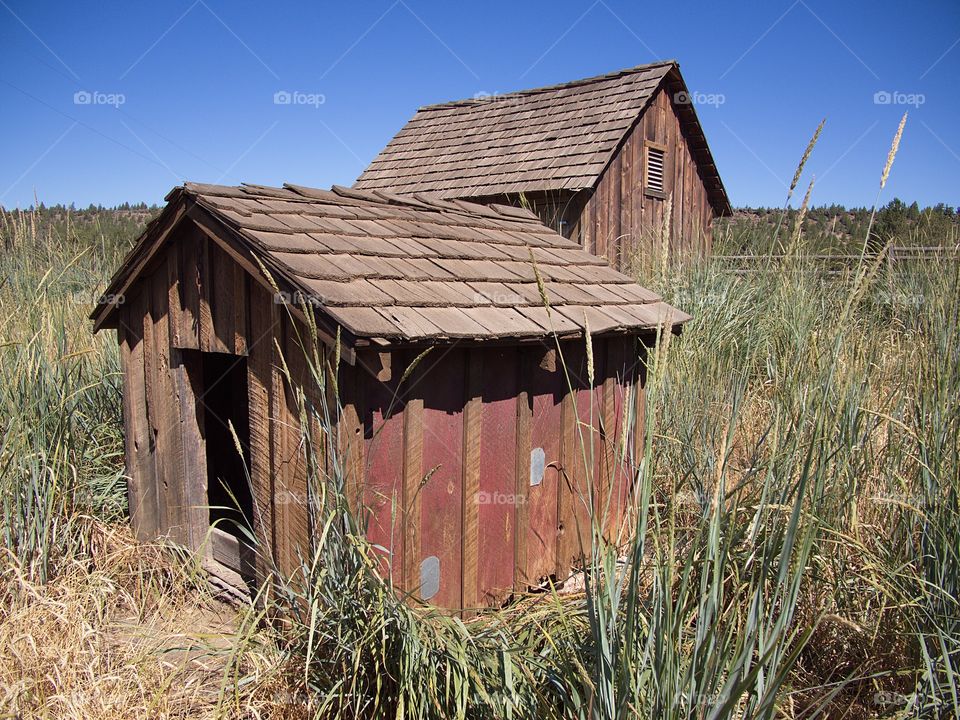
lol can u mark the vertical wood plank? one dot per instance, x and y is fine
(501, 507)
(150, 379)
(600, 420)
(640, 431)
(189, 249)
(384, 470)
(472, 438)
(546, 387)
(285, 455)
(350, 439)
(174, 305)
(672, 175)
(521, 579)
(240, 304)
(293, 496)
(638, 224)
(620, 368)
(142, 483)
(264, 327)
(576, 453)
(626, 203)
(412, 477)
(586, 224)
(207, 336)
(221, 279)
(441, 519)
(638, 396)
(601, 220)
(165, 414)
(187, 375)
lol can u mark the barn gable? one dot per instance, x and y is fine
(557, 139)
(624, 219)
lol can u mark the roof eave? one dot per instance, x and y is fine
(719, 200)
(152, 237)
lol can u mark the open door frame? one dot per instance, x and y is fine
(224, 547)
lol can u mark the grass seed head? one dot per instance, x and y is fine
(806, 156)
(893, 151)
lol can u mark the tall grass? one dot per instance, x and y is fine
(870, 388)
(797, 524)
(61, 458)
(92, 625)
(795, 547)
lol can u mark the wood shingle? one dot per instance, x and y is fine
(424, 269)
(556, 138)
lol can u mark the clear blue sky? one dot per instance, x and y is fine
(197, 80)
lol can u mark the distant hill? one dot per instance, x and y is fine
(60, 225)
(836, 229)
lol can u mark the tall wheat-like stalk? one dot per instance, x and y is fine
(891, 156)
(796, 178)
(797, 234)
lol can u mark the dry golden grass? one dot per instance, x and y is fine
(128, 634)
(118, 629)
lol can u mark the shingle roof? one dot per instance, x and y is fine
(546, 139)
(409, 268)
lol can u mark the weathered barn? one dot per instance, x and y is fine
(466, 471)
(599, 160)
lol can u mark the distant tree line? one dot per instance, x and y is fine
(66, 226)
(826, 229)
(838, 229)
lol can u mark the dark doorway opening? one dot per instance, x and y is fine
(224, 401)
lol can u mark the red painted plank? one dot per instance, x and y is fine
(580, 446)
(599, 478)
(441, 492)
(618, 370)
(546, 387)
(632, 394)
(497, 497)
(383, 486)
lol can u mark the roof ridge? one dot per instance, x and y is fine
(550, 88)
(353, 196)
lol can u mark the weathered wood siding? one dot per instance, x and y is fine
(473, 476)
(193, 296)
(624, 223)
(461, 520)
(619, 219)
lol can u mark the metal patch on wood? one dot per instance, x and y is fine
(429, 577)
(538, 463)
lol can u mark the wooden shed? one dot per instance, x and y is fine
(599, 160)
(465, 472)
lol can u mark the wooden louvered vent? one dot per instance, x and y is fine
(655, 157)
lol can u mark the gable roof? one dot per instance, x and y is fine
(413, 268)
(552, 138)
